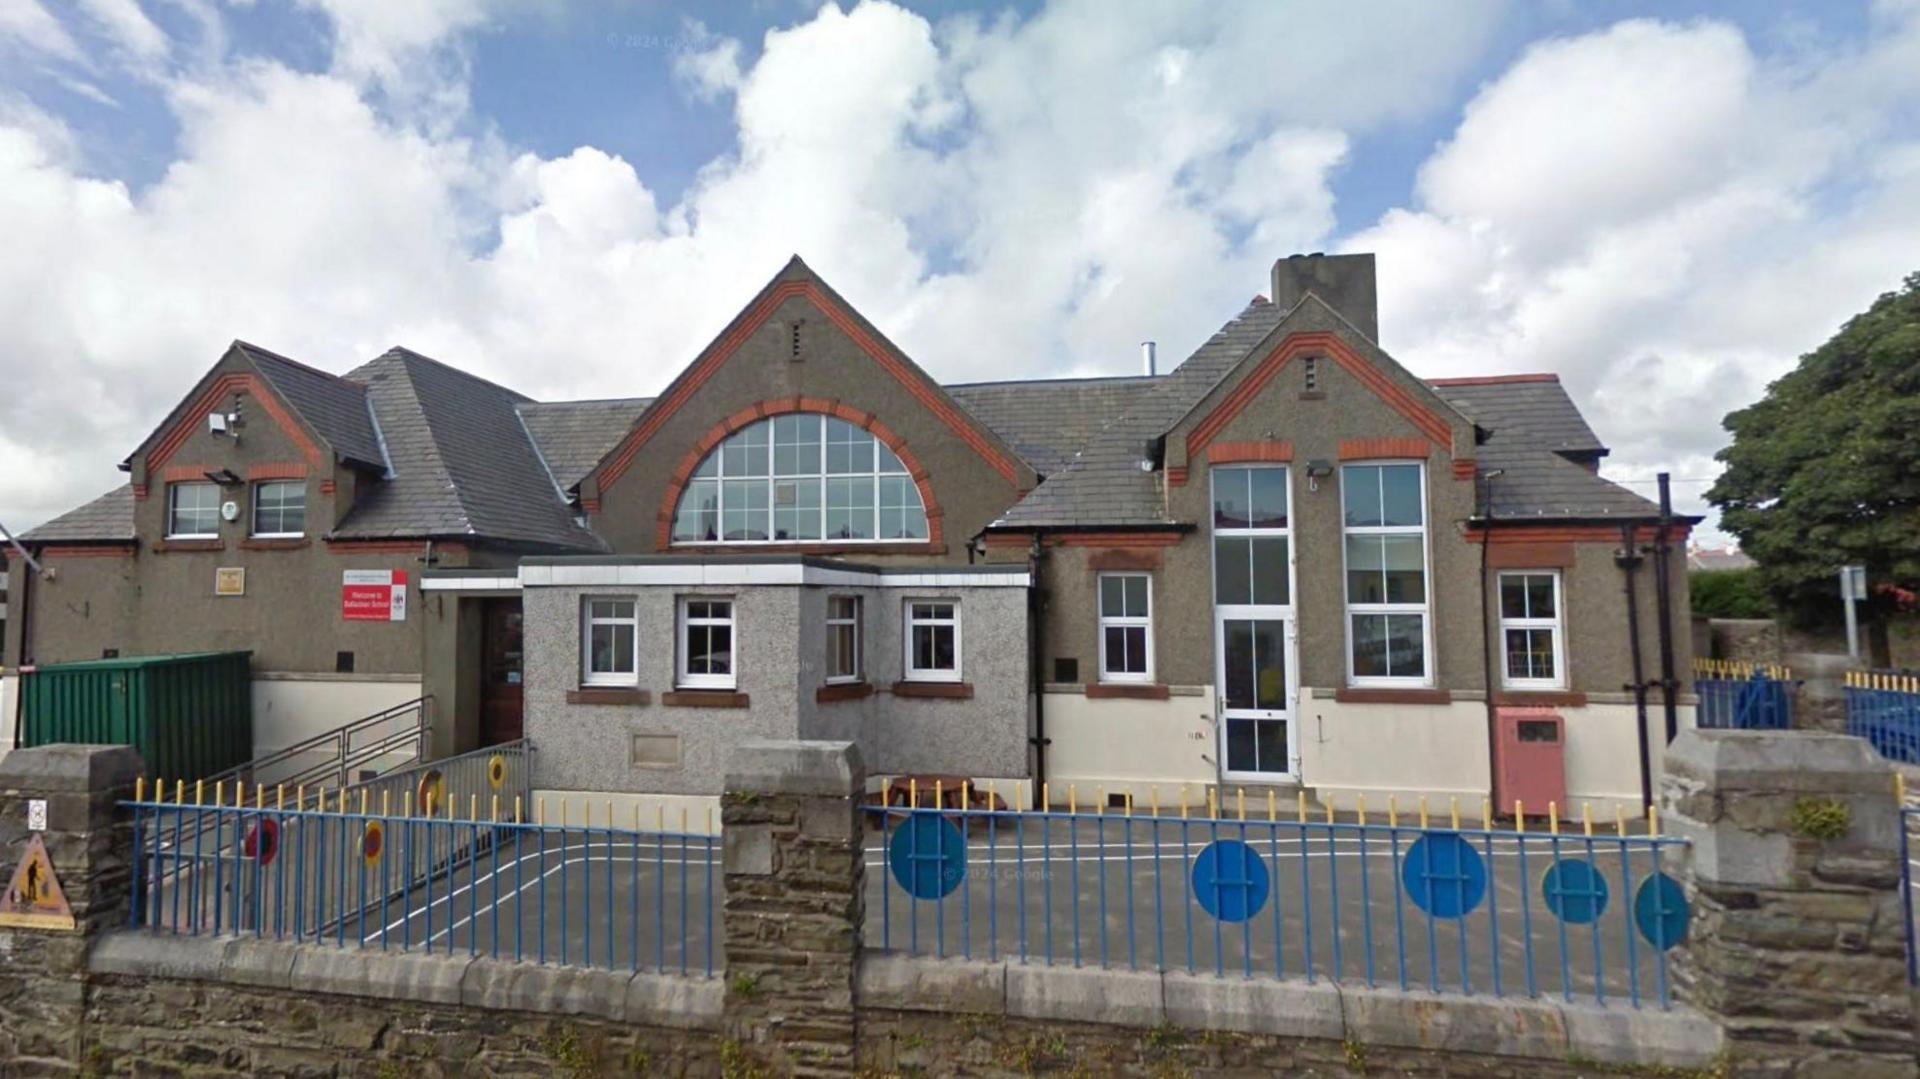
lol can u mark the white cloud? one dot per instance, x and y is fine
(1663, 217)
(128, 26)
(28, 23)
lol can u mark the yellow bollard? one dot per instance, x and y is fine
(1553, 818)
(1331, 811)
(540, 811)
(1393, 811)
(1213, 803)
(1183, 801)
(1453, 810)
(938, 801)
(913, 792)
(1100, 800)
(1586, 818)
(386, 801)
(1300, 807)
(1653, 820)
(406, 804)
(496, 812)
(1519, 817)
(239, 794)
(179, 791)
(1240, 801)
(1129, 803)
(1619, 819)
(139, 788)
(1153, 799)
(1046, 797)
(363, 801)
(1360, 808)
(1424, 818)
(1273, 806)
(1073, 798)
(517, 818)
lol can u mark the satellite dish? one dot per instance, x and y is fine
(229, 511)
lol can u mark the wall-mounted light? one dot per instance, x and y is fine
(1317, 468)
(225, 477)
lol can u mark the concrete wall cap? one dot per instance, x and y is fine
(266, 963)
(912, 983)
(1678, 1038)
(664, 1000)
(796, 767)
(1779, 761)
(139, 954)
(415, 976)
(70, 766)
(527, 987)
(1256, 1006)
(1086, 995)
(1506, 1026)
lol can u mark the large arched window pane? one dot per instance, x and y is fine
(798, 478)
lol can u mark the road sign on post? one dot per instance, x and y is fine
(1853, 588)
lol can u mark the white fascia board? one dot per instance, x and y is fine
(711, 575)
(469, 584)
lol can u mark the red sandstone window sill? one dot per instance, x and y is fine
(607, 695)
(843, 691)
(952, 691)
(703, 698)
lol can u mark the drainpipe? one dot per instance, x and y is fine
(1036, 652)
(1628, 558)
(1486, 634)
(26, 651)
(1662, 559)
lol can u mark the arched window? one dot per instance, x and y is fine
(798, 478)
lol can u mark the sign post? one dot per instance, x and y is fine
(1853, 588)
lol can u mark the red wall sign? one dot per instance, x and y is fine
(373, 595)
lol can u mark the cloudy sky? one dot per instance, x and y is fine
(1666, 206)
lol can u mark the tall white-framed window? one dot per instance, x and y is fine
(1126, 627)
(1531, 633)
(932, 640)
(609, 641)
(1253, 619)
(280, 509)
(802, 477)
(193, 511)
(1389, 631)
(707, 643)
(843, 639)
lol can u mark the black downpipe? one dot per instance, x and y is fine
(26, 652)
(1036, 610)
(1486, 644)
(1628, 559)
(1662, 558)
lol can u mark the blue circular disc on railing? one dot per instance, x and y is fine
(1660, 910)
(1444, 875)
(1230, 880)
(928, 856)
(1575, 891)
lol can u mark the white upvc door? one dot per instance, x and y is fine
(1254, 632)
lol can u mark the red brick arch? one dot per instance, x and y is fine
(866, 421)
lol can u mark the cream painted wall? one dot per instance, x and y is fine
(291, 708)
(9, 693)
(1129, 745)
(656, 811)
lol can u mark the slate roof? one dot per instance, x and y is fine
(462, 463)
(107, 518)
(572, 436)
(1530, 423)
(336, 408)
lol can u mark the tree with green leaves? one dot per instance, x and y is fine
(1824, 470)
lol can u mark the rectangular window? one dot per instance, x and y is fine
(707, 644)
(933, 641)
(280, 508)
(1388, 629)
(843, 638)
(193, 511)
(1530, 633)
(1126, 627)
(610, 642)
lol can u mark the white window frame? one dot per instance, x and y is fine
(685, 679)
(909, 621)
(859, 659)
(254, 514)
(1423, 609)
(1556, 625)
(591, 677)
(173, 502)
(1122, 621)
(713, 469)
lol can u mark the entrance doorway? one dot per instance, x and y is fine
(502, 659)
(1254, 631)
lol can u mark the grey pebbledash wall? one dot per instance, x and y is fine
(800, 997)
(780, 635)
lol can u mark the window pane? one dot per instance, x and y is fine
(1366, 581)
(1237, 639)
(1243, 751)
(745, 454)
(1400, 494)
(933, 648)
(887, 462)
(1530, 653)
(901, 513)
(1369, 645)
(1360, 495)
(1270, 665)
(1269, 497)
(745, 514)
(1270, 570)
(698, 518)
(796, 445)
(600, 649)
(849, 449)
(841, 606)
(1513, 596)
(1112, 596)
(796, 509)
(280, 507)
(1232, 569)
(850, 508)
(1406, 573)
(841, 652)
(1231, 500)
(1540, 595)
(1270, 742)
(622, 648)
(1406, 646)
(1136, 596)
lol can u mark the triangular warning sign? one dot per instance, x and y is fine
(33, 899)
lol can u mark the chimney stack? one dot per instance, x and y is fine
(1147, 350)
(1344, 282)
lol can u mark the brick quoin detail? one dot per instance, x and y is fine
(1464, 468)
(1233, 453)
(278, 471)
(677, 485)
(745, 326)
(1367, 449)
(234, 383)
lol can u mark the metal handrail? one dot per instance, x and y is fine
(342, 737)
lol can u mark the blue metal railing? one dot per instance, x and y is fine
(1909, 819)
(1586, 913)
(1884, 708)
(575, 893)
(1742, 696)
